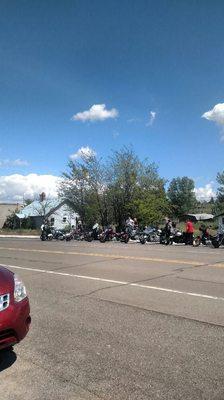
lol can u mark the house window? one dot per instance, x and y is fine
(64, 219)
(52, 221)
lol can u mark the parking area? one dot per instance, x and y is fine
(117, 321)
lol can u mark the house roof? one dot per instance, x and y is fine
(201, 217)
(40, 208)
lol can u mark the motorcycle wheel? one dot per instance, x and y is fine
(142, 240)
(196, 242)
(89, 238)
(103, 239)
(126, 239)
(216, 244)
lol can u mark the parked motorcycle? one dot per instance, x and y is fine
(46, 236)
(58, 234)
(134, 234)
(46, 232)
(78, 234)
(150, 235)
(206, 241)
(69, 236)
(107, 235)
(175, 236)
(122, 237)
(88, 236)
(218, 241)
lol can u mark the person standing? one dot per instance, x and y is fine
(129, 225)
(189, 232)
(167, 231)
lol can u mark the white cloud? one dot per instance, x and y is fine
(83, 152)
(97, 112)
(13, 163)
(131, 120)
(16, 187)
(205, 193)
(152, 117)
(216, 114)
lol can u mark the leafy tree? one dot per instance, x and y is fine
(27, 202)
(151, 210)
(131, 184)
(84, 187)
(109, 193)
(181, 195)
(220, 190)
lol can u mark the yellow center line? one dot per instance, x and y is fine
(218, 265)
(110, 256)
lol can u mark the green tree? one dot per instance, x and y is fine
(181, 195)
(219, 202)
(109, 193)
(220, 190)
(131, 184)
(83, 185)
(152, 209)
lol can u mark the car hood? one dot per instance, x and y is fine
(6, 281)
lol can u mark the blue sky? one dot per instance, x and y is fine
(61, 58)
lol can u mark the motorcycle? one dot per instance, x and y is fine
(107, 235)
(176, 237)
(46, 236)
(122, 237)
(206, 241)
(218, 241)
(133, 233)
(46, 233)
(150, 235)
(78, 234)
(88, 236)
(69, 236)
(58, 235)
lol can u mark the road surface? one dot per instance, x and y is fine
(117, 321)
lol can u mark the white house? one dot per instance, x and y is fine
(57, 212)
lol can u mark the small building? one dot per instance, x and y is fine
(58, 212)
(200, 217)
(7, 209)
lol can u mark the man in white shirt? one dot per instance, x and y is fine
(129, 225)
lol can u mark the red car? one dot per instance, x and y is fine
(14, 309)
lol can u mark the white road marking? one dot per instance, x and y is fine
(138, 285)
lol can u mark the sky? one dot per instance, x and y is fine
(96, 75)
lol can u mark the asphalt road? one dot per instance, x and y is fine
(116, 321)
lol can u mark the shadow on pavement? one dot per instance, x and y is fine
(7, 359)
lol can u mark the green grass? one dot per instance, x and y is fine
(21, 232)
